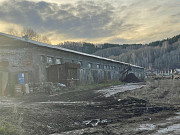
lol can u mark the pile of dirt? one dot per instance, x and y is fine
(131, 78)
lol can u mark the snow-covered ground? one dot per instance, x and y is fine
(120, 88)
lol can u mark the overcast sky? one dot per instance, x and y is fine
(98, 21)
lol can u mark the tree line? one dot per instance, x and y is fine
(161, 55)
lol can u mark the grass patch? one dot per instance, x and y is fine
(7, 128)
(10, 121)
(161, 92)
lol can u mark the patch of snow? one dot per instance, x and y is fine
(120, 88)
(147, 127)
(173, 128)
(174, 118)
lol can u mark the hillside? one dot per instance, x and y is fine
(162, 55)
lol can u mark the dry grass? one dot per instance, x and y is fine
(166, 92)
(10, 122)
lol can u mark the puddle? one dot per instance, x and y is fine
(84, 131)
(147, 127)
(168, 126)
(173, 128)
(67, 103)
(120, 88)
(175, 117)
(164, 124)
(8, 103)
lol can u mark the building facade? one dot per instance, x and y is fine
(35, 60)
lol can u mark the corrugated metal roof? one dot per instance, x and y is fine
(63, 49)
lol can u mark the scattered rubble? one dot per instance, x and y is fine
(47, 87)
(96, 122)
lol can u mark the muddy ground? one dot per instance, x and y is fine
(140, 108)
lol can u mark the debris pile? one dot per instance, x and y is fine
(96, 122)
(131, 78)
(47, 87)
(92, 122)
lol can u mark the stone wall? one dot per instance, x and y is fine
(16, 56)
(22, 55)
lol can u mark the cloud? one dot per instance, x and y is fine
(85, 20)
(5, 27)
(96, 20)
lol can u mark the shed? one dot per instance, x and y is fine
(66, 73)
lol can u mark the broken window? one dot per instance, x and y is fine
(58, 61)
(50, 60)
(89, 65)
(21, 78)
(98, 66)
(81, 63)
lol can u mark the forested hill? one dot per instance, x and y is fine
(161, 55)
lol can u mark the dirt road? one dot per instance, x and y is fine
(124, 109)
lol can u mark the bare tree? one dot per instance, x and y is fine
(31, 34)
(12, 31)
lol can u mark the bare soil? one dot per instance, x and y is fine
(142, 108)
